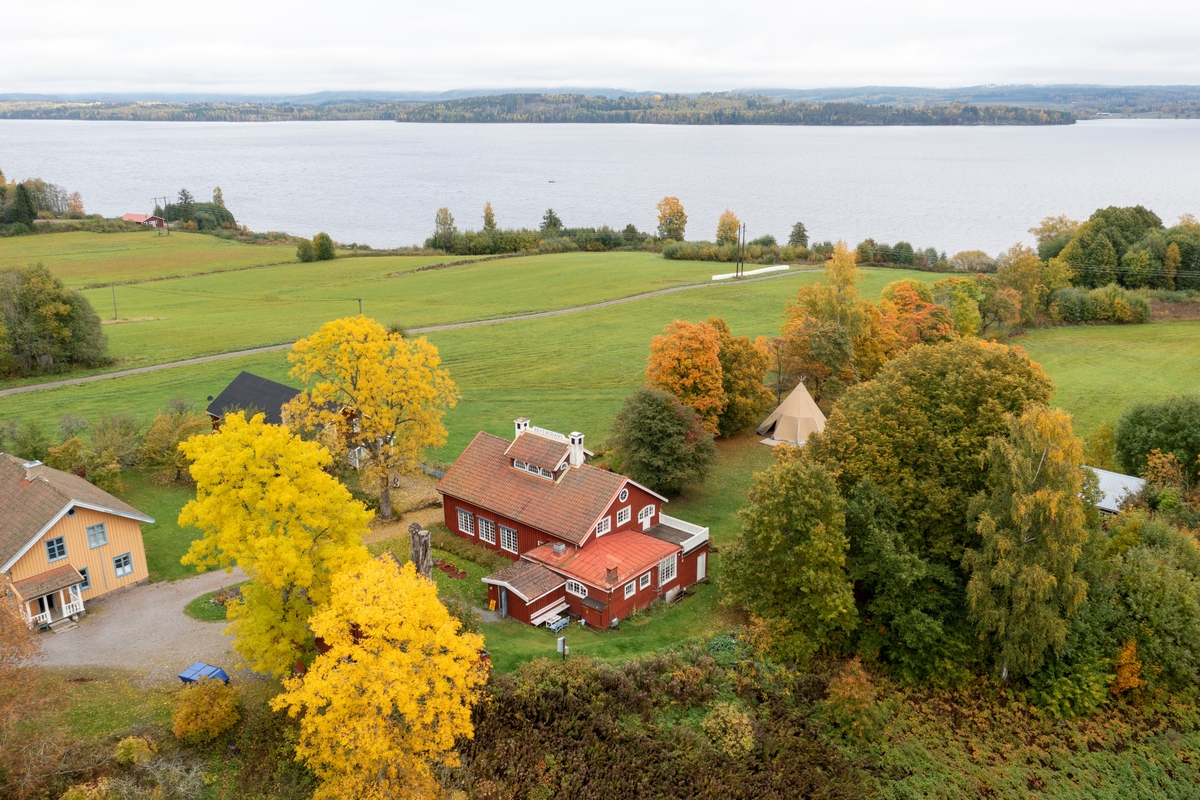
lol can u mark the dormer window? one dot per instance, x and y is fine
(533, 470)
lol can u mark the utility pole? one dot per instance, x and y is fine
(114, 291)
(741, 265)
(360, 306)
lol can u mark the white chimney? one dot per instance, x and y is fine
(522, 423)
(577, 456)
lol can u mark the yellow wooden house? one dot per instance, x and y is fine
(63, 542)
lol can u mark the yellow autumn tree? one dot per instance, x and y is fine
(685, 360)
(727, 228)
(265, 502)
(671, 220)
(373, 391)
(384, 706)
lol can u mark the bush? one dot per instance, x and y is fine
(1171, 425)
(305, 251)
(323, 244)
(442, 539)
(1108, 303)
(204, 710)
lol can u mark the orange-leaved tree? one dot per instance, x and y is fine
(685, 360)
(918, 320)
(387, 702)
(265, 503)
(374, 392)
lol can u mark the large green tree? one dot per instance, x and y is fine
(1171, 425)
(788, 569)
(45, 326)
(661, 442)
(906, 448)
(1032, 529)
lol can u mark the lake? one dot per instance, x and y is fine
(381, 182)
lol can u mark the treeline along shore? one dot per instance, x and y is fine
(658, 109)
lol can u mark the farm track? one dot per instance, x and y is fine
(429, 329)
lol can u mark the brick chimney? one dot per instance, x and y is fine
(577, 457)
(611, 563)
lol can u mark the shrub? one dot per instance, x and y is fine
(134, 750)
(204, 710)
(442, 539)
(464, 612)
(305, 251)
(323, 244)
(731, 729)
(851, 701)
(1108, 303)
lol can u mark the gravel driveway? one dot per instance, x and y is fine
(145, 630)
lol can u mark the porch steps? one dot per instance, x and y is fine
(63, 624)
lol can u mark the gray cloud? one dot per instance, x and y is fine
(303, 46)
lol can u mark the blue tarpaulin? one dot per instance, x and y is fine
(201, 670)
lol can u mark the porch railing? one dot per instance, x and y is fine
(73, 607)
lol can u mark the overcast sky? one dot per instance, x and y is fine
(249, 46)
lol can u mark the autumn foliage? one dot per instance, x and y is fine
(265, 502)
(386, 704)
(376, 390)
(685, 360)
(204, 710)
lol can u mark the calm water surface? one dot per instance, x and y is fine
(381, 182)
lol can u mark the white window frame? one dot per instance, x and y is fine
(123, 565)
(87, 581)
(521, 465)
(465, 518)
(668, 569)
(97, 535)
(487, 531)
(624, 495)
(630, 589)
(624, 515)
(644, 581)
(56, 545)
(507, 534)
(545, 473)
(646, 513)
(576, 588)
(603, 526)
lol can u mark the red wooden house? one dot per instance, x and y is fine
(583, 539)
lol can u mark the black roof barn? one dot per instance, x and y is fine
(250, 392)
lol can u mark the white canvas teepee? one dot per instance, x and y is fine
(796, 418)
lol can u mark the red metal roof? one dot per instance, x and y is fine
(135, 217)
(630, 552)
(566, 508)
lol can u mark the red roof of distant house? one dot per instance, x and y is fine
(139, 218)
(630, 552)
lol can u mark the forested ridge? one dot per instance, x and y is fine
(659, 109)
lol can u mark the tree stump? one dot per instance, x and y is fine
(421, 557)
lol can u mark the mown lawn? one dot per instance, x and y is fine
(217, 313)
(81, 258)
(165, 541)
(568, 372)
(1099, 371)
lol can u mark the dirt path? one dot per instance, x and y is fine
(145, 630)
(429, 329)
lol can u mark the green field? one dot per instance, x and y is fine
(570, 371)
(80, 258)
(1101, 370)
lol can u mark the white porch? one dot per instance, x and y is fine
(50, 597)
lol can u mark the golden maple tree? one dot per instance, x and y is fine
(685, 360)
(265, 502)
(373, 391)
(728, 227)
(386, 703)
